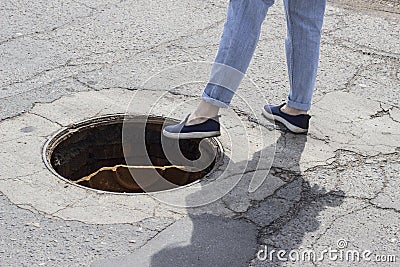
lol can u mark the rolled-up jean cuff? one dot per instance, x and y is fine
(214, 101)
(298, 105)
(226, 76)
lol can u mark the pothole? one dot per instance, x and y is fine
(124, 154)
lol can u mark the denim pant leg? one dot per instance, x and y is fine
(304, 22)
(238, 42)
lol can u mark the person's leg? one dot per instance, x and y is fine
(236, 48)
(304, 23)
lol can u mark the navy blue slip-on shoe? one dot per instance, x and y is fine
(209, 128)
(295, 123)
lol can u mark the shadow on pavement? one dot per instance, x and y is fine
(279, 221)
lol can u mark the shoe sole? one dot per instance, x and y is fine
(193, 135)
(291, 127)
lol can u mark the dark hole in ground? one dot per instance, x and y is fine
(92, 154)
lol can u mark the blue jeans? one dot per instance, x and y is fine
(239, 39)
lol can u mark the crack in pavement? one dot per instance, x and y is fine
(334, 221)
(23, 176)
(74, 20)
(45, 118)
(46, 71)
(308, 198)
(362, 49)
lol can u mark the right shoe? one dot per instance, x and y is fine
(295, 123)
(209, 128)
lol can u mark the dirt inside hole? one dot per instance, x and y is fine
(95, 154)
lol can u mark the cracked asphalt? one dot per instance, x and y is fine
(336, 188)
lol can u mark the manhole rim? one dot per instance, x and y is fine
(60, 135)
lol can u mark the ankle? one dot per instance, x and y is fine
(203, 112)
(195, 120)
(293, 111)
(205, 109)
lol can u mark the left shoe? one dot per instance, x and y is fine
(295, 123)
(209, 128)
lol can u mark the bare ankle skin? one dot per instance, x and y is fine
(292, 111)
(203, 112)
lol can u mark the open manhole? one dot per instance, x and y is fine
(127, 154)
